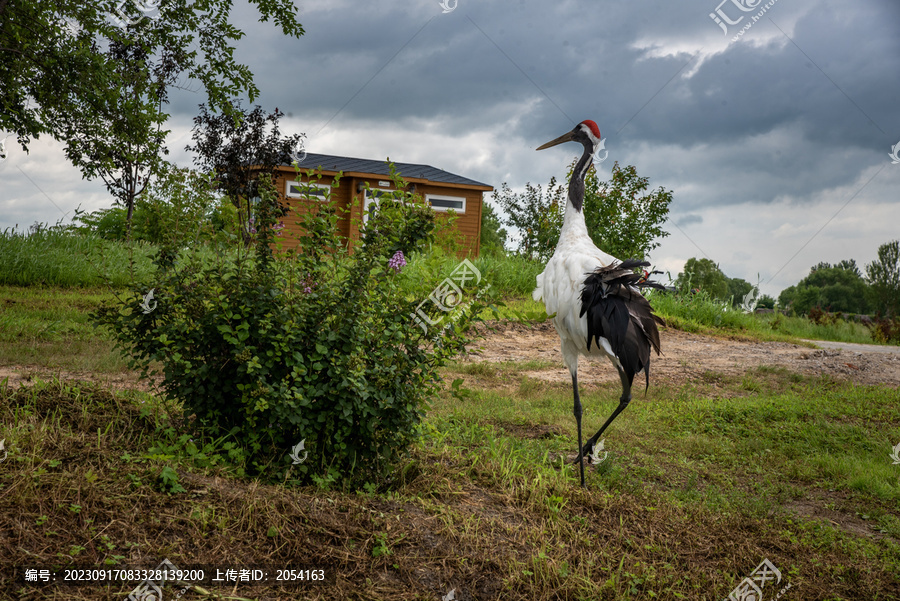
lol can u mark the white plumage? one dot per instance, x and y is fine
(561, 283)
(599, 310)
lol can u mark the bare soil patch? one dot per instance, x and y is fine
(687, 357)
(25, 375)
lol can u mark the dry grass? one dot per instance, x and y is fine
(486, 507)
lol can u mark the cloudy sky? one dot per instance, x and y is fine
(775, 138)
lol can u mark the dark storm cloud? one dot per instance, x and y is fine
(576, 60)
(737, 130)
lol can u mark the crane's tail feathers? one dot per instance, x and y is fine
(617, 311)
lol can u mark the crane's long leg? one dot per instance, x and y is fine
(578, 412)
(588, 447)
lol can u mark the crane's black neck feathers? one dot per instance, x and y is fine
(576, 182)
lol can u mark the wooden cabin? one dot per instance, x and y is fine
(442, 190)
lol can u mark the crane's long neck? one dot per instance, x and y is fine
(573, 223)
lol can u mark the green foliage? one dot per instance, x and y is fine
(120, 138)
(621, 217)
(53, 68)
(510, 275)
(319, 348)
(178, 199)
(700, 312)
(705, 276)
(446, 233)
(738, 289)
(537, 215)
(382, 546)
(765, 302)
(239, 147)
(493, 236)
(108, 224)
(691, 310)
(886, 330)
(883, 275)
(835, 288)
(168, 481)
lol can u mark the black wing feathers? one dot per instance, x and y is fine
(617, 311)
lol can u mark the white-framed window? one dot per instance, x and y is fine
(370, 201)
(439, 202)
(310, 190)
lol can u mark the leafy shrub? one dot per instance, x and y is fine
(317, 348)
(885, 330)
(820, 317)
(178, 198)
(621, 217)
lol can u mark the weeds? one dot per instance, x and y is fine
(694, 494)
(58, 256)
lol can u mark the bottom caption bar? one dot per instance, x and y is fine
(148, 580)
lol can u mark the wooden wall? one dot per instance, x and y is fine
(347, 194)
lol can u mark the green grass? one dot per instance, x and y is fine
(801, 327)
(50, 327)
(59, 257)
(702, 481)
(700, 484)
(701, 314)
(508, 276)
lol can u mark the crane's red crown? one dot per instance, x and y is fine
(594, 129)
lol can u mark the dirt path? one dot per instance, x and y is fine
(854, 347)
(687, 356)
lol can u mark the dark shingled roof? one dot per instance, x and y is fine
(330, 162)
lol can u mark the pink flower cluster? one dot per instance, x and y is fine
(398, 261)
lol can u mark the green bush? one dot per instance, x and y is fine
(179, 199)
(885, 330)
(319, 348)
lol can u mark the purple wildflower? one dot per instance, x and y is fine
(307, 284)
(398, 261)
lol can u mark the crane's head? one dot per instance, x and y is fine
(586, 133)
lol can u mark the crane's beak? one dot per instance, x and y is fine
(566, 137)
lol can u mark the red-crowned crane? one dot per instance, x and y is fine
(596, 298)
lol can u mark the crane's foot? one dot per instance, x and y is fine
(586, 452)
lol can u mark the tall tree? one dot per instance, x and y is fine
(836, 287)
(704, 275)
(766, 302)
(121, 139)
(622, 218)
(738, 288)
(493, 237)
(537, 214)
(884, 278)
(49, 67)
(239, 147)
